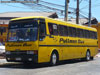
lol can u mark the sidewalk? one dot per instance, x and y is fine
(2, 61)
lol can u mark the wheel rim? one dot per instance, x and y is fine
(88, 55)
(54, 59)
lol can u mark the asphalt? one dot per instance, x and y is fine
(72, 67)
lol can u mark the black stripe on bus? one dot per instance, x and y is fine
(70, 45)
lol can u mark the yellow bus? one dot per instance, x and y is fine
(41, 39)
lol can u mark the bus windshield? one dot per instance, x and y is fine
(23, 31)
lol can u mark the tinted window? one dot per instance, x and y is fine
(94, 35)
(61, 30)
(81, 33)
(23, 24)
(87, 35)
(42, 30)
(53, 29)
(90, 34)
(70, 30)
(78, 32)
(74, 32)
(65, 31)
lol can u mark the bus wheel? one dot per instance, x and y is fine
(54, 59)
(88, 56)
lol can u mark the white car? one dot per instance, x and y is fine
(2, 49)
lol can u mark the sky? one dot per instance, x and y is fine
(84, 6)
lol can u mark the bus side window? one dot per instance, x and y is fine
(74, 32)
(81, 33)
(53, 29)
(87, 35)
(91, 35)
(95, 35)
(65, 31)
(61, 30)
(78, 32)
(70, 30)
(42, 30)
(84, 33)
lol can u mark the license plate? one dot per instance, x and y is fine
(18, 59)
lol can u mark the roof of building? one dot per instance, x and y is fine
(5, 17)
(82, 21)
(26, 14)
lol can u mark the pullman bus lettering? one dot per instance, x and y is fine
(18, 45)
(67, 41)
(70, 41)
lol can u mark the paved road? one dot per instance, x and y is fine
(66, 68)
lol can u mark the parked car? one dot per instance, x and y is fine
(2, 49)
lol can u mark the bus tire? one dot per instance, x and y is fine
(54, 59)
(88, 56)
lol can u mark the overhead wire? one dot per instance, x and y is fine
(46, 7)
(37, 5)
(55, 4)
(52, 3)
(51, 7)
(22, 7)
(93, 5)
(40, 5)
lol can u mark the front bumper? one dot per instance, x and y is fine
(21, 56)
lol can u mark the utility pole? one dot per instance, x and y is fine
(66, 9)
(37, 1)
(77, 12)
(89, 13)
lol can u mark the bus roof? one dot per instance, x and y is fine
(59, 22)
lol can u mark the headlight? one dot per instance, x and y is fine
(8, 52)
(30, 52)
